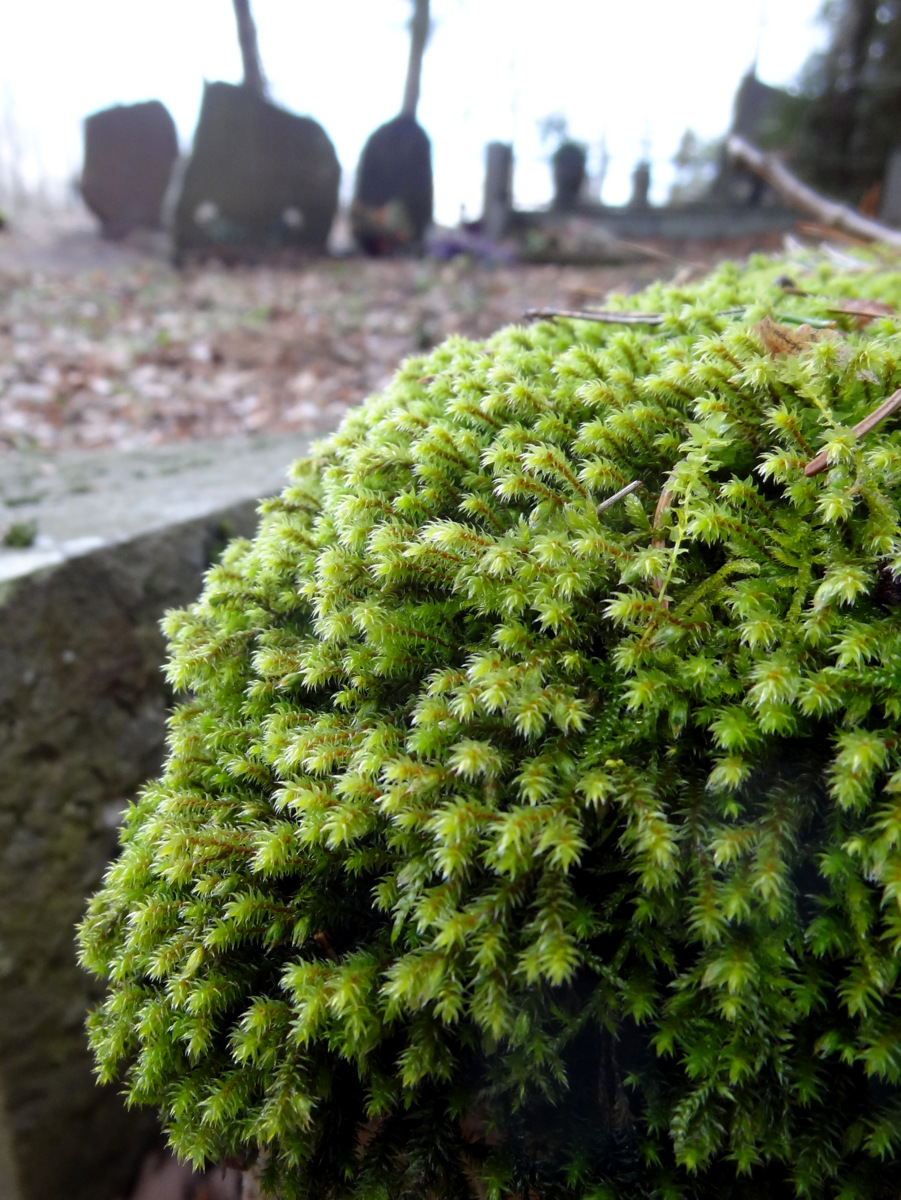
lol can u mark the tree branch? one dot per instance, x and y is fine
(799, 195)
(419, 35)
(254, 80)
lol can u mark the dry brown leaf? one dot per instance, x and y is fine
(786, 339)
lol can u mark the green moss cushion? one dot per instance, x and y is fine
(512, 841)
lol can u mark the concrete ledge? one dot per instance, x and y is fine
(121, 538)
(82, 500)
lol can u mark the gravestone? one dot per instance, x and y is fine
(129, 151)
(568, 167)
(259, 179)
(392, 205)
(767, 117)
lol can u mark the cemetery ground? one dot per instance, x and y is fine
(106, 345)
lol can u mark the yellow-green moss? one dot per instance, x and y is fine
(504, 838)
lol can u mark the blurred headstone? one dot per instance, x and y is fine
(641, 185)
(497, 204)
(763, 115)
(259, 179)
(568, 166)
(392, 207)
(890, 201)
(128, 155)
(767, 117)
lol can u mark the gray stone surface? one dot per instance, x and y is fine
(82, 710)
(82, 500)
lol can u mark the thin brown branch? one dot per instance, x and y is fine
(799, 195)
(663, 503)
(863, 311)
(604, 316)
(620, 495)
(879, 414)
(661, 255)
(814, 229)
(869, 422)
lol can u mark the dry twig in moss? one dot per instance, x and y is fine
(876, 417)
(620, 495)
(604, 316)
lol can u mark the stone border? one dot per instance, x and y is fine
(83, 705)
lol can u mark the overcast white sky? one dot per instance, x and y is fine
(635, 72)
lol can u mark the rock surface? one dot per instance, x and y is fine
(82, 711)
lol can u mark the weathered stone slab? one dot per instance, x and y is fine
(82, 711)
(259, 179)
(129, 152)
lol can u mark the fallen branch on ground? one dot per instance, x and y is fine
(798, 194)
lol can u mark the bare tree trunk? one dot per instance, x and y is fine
(250, 51)
(419, 35)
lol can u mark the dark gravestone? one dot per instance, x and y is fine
(128, 155)
(568, 166)
(259, 180)
(392, 205)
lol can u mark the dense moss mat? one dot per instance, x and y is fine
(510, 840)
